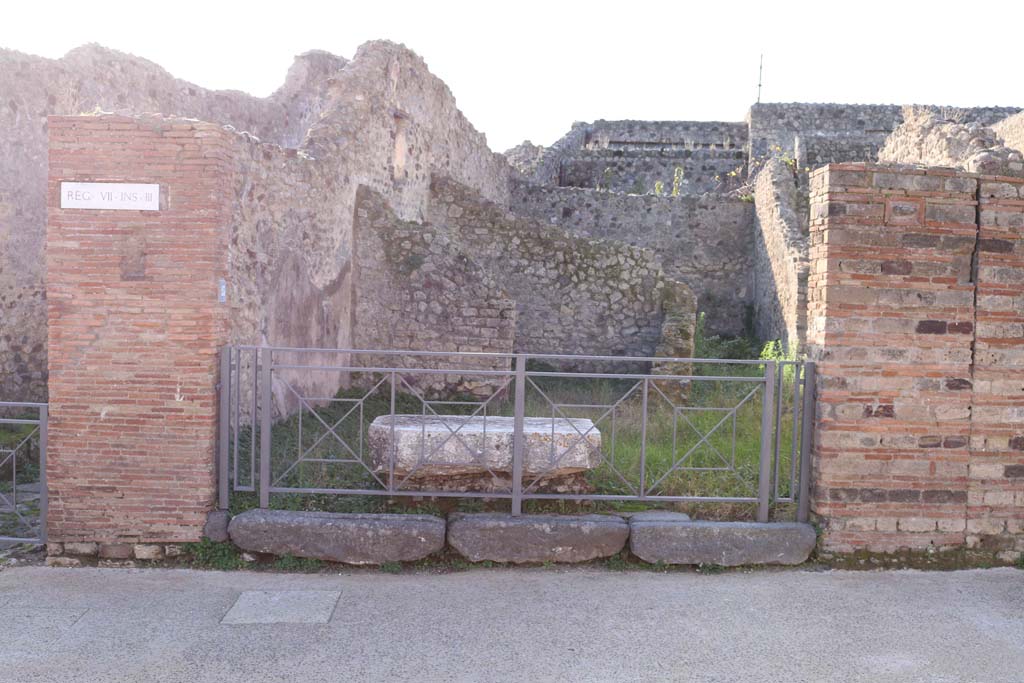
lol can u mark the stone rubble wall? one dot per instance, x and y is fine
(817, 134)
(702, 241)
(546, 170)
(386, 122)
(422, 291)
(290, 279)
(915, 322)
(573, 294)
(780, 258)
(88, 79)
(663, 135)
(927, 138)
(632, 156)
(1011, 131)
(390, 123)
(526, 158)
(640, 172)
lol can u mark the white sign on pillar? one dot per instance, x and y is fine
(110, 196)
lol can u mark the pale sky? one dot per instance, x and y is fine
(522, 69)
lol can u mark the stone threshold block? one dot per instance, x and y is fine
(500, 537)
(335, 537)
(729, 544)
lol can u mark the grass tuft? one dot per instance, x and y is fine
(290, 563)
(207, 554)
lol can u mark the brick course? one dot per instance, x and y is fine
(915, 320)
(134, 329)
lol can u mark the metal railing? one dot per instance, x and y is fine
(23, 432)
(515, 427)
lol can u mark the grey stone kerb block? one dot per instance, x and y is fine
(729, 544)
(500, 537)
(349, 538)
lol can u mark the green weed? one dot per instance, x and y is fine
(290, 563)
(617, 563)
(207, 554)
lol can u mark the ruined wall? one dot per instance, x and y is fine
(390, 123)
(1011, 131)
(526, 158)
(135, 327)
(702, 241)
(816, 134)
(914, 319)
(779, 282)
(632, 156)
(381, 120)
(423, 292)
(574, 295)
(662, 135)
(642, 172)
(87, 79)
(546, 169)
(386, 123)
(927, 138)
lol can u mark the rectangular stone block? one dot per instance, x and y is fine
(525, 539)
(335, 537)
(728, 544)
(432, 446)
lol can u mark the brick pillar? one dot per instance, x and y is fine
(134, 329)
(891, 324)
(995, 512)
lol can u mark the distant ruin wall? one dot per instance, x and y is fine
(573, 295)
(817, 134)
(1011, 130)
(649, 172)
(926, 138)
(702, 241)
(658, 135)
(636, 156)
(780, 258)
(546, 170)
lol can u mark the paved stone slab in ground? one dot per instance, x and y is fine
(730, 544)
(536, 538)
(349, 538)
(282, 607)
(429, 445)
(32, 627)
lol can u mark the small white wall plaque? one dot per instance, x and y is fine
(110, 196)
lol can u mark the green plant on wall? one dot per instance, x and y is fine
(606, 179)
(659, 188)
(677, 181)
